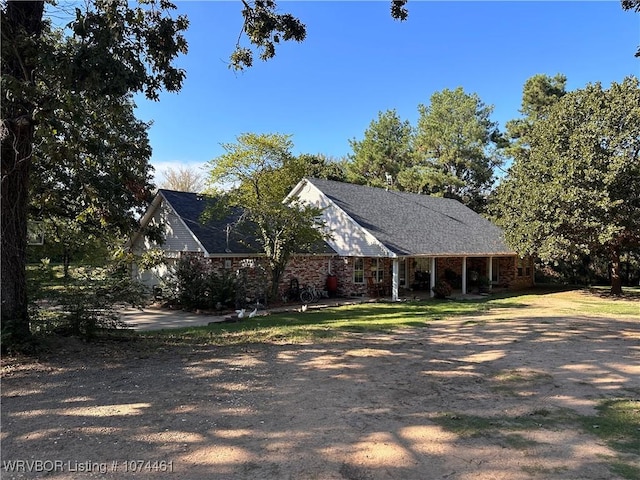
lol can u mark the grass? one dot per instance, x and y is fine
(294, 327)
(617, 423)
(472, 426)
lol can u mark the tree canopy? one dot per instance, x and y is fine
(454, 136)
(183, 179)
(58, 85)
(452, 151)
(386, 149)
(265, 28)
(577, 190)
(260, 171)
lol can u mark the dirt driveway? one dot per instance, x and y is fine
(471, 398)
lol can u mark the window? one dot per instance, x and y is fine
(377, 269)
(402, 272)
(520, 267)
(358, 270)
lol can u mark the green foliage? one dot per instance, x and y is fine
(194, 285)
(262, 171)
(84, 304)
(453, 150)
(632, 5)
(386, 149)
(454, 138)
(117, 48)
(95, 174)
(321, 166)
(539, 93)
(66, 241)
(75, 85)
(577, 190)
(265, 28)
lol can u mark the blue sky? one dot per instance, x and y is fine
(358, 61)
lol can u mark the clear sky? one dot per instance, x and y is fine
(358, 61)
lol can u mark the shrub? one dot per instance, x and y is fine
(87, 303)
(194, 285)
(442, 289)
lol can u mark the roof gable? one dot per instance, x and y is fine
(217, 234)
(411, 224)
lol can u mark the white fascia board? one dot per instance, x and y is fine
(295, 191)
(145, 219)
(195, 239)
(355, 240)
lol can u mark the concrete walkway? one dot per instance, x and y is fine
(156, 318)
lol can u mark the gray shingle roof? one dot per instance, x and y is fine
(212, 233)
(411, 224)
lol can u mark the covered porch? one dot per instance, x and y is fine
(465, 274)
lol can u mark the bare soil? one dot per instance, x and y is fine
(486, 397)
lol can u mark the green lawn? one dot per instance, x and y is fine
(378, 317)
(332, 322)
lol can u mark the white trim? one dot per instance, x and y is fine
(145, 219)
(464, 275)
(395, 280)
(433, 277)
(193, 236)
(367, 235)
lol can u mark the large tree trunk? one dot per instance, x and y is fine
(616, 281)
(21, 29)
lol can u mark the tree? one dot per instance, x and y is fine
(539, 93)
(386, 149)
(90, 181)
(321, 166)
(109, 50)
(265, 28)
(632, 5)
(183, 179)
(262, 171)
(577, 191)
(456, 137)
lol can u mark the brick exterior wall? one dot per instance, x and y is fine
(314, 270)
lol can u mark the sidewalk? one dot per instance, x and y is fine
(156, 318)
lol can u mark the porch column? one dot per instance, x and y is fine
(490, 272)
(395, 280)
(433, 277)
(464, 275)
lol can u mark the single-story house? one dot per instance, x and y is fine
(393, 241)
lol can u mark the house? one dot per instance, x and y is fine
(394, 241)
(186, 229)
(409, 241)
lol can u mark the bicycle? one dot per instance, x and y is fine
(311, 294)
